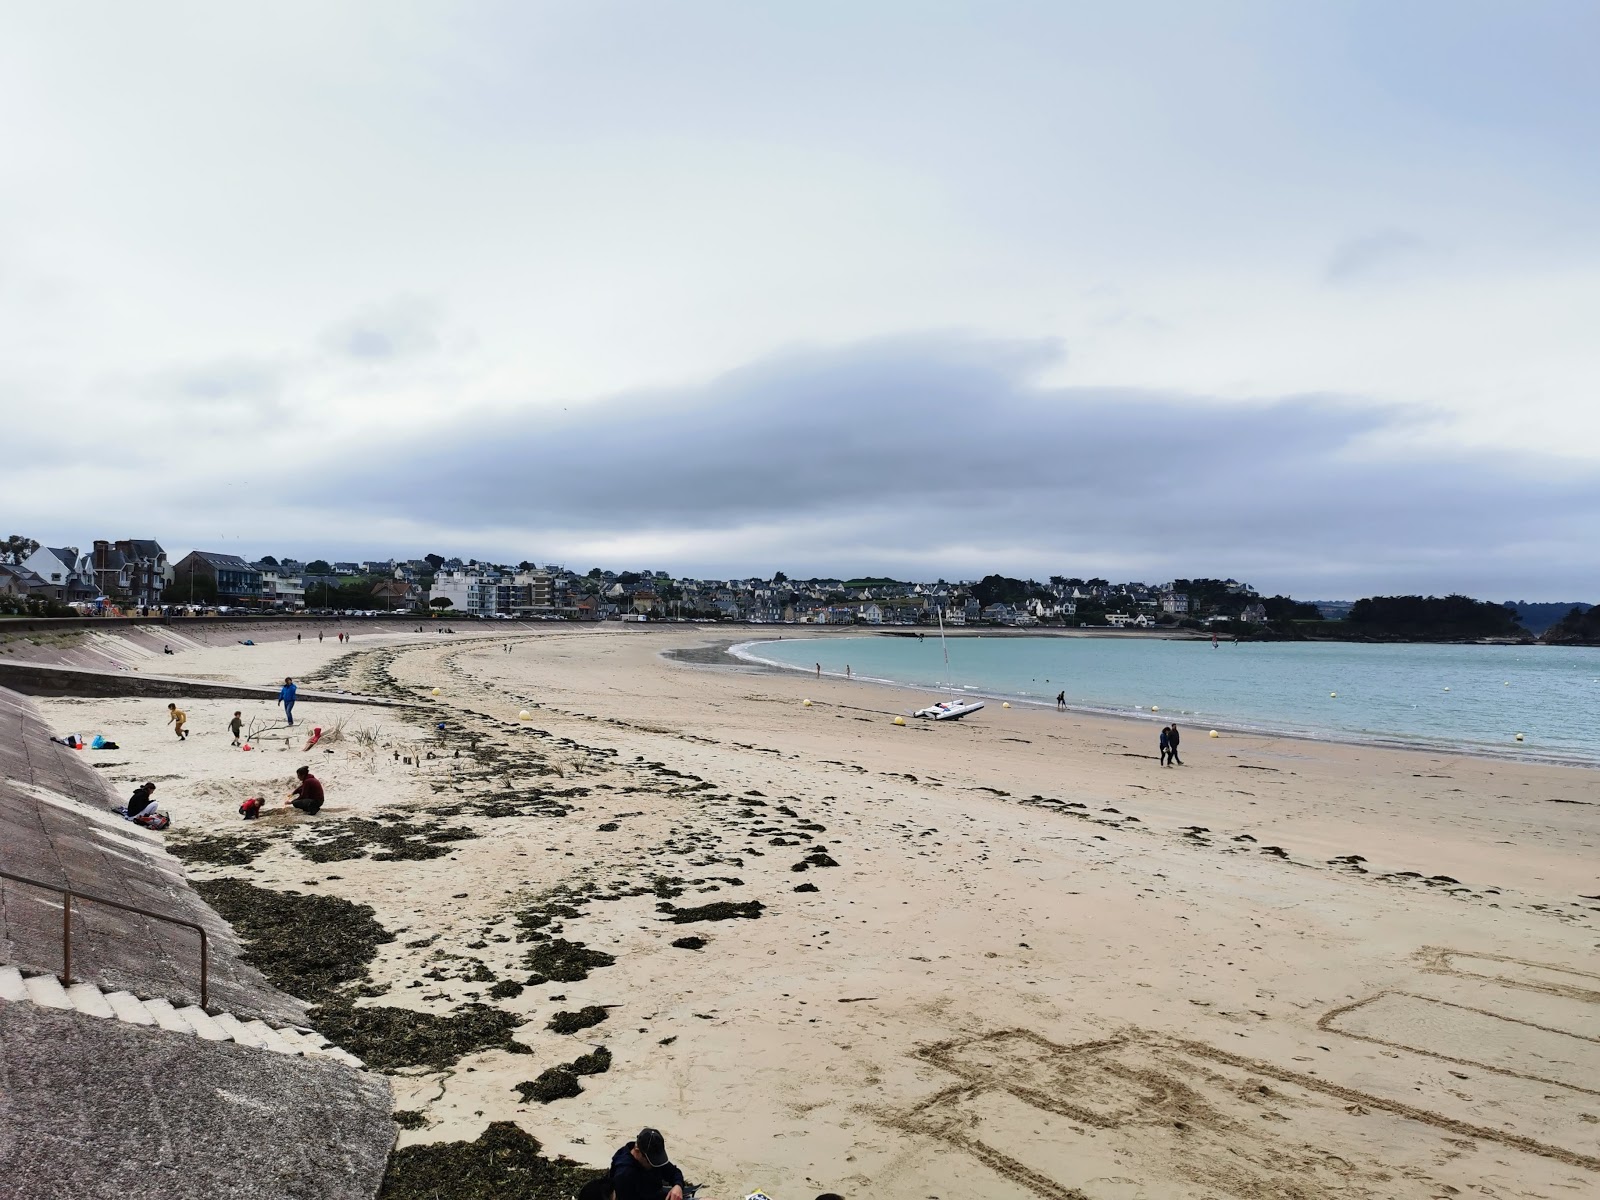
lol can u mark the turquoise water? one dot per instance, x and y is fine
(1461, 697)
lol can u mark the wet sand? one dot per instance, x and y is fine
(1006, 957)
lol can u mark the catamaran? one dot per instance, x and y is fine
(947, 710)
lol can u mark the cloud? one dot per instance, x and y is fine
(943, 456)
(401, 328)
(1373, 256)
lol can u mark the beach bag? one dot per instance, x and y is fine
(155, 821)
(97, 743)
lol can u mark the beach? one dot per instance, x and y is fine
(1007, 957)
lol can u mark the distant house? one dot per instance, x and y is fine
(646, 602)
(395, 595)
(1254, 614)
(66, 574)
(234, 581)
(19, 581)
(346, 568)
(1175, 603)
(131, 569)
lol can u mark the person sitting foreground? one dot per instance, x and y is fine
(639, 1171)
(308, 796)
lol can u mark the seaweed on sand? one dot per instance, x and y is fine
(558, 1083)
(392, 841)
(722, 910)
(564, 961)
(223, 851)
(385, 1037)
(319, 948)
(310, 946)
(504, 1163)
(573, 1022)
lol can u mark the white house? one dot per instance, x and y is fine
(69, 574)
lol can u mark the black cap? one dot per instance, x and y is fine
(653, 1146)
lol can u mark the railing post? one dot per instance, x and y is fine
(66, 936)
(205, 974)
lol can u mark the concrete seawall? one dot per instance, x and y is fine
(36, 679)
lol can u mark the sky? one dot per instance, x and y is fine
(1301, 294)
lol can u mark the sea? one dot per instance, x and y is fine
(1457, 698)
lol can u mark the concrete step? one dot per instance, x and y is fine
(87, 999)
(47, 990)
(129, 1008)
(187, 1019)
(166, 1016)
(271, 1039)
(12, 986)
(239, 1031)
(202, 1023)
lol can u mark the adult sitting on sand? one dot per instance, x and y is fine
(308, 796)
(142, 802)
(642, 1171)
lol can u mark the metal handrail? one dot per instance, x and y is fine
(71, 894)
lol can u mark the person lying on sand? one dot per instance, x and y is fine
(307, 797)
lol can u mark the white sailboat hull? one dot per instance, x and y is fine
(950, 710)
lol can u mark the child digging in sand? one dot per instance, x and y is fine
(176, 717)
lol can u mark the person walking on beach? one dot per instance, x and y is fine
(819, 670)
(307, 797)
(286, 696)
(1172, 744)
(319, 635)
(235, 725)
(847, 670)
(1061, 701)
(176, 717)
(1166, 745)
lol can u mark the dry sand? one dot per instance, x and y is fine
(1042, 966)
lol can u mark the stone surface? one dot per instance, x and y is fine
(92, 1109)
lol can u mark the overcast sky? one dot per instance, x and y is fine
(1305, 294)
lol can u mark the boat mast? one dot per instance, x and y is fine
(943, 645)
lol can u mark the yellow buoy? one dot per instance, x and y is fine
(524, 715)
(1005, 704)
(899, 720)
(435, 691)
(1333, 695)
(1447, 689)
(1214, 733)
(1155, 708)
(1519, 737)
(805, 704)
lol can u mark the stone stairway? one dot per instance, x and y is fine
(47, 991)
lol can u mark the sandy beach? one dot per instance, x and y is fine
(1008, 957)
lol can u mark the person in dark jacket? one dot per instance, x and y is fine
(1172, 744)
(307, 797)
(642, 1171)
(1166, 745)
(142, 801)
